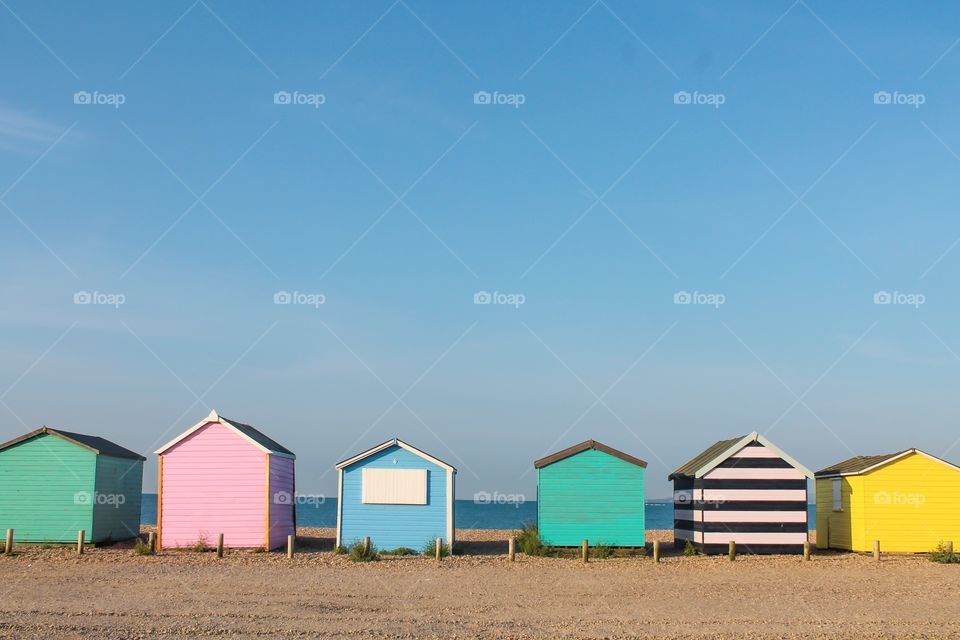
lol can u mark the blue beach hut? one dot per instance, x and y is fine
(396, 494)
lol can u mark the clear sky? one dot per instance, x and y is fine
(178, 165)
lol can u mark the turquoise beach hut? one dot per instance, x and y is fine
(591, 492)
(54, 483)
(396, 494)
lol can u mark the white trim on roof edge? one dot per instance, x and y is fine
(390, 443)
(451, 497)
(339, 505)
(214, 417)
(888, 461)
(744, 441)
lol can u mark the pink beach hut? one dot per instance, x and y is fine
(221, 476)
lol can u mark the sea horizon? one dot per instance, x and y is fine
(468, 514)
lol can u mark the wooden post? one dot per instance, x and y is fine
(439, 548)
(152, 542)
(219, 545)
(290, 546)
(366, 545)
(876, 550)
(584, 551)
(732, 552)
(806, 550)
(8, 548)
(656, 551)
(80, 536)
(950, 547)
(511, 550)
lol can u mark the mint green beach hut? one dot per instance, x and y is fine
(591, 492)
(55, 483)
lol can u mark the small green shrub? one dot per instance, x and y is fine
(340, 550)
(529, 541)
(690, 550)
(400, 551)
(141, 548)
(260, 550)
(602, 551)
(359, 554)
(429, 549)
(944, 555)
(201, 545)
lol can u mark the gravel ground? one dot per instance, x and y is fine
(112, 593)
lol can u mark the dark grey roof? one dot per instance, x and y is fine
(705, 456)
(856, 464)
(259, 437)
(584, 446)
(98, 445)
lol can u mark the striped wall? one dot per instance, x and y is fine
(753, 498)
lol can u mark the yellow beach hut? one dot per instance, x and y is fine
(909, 501)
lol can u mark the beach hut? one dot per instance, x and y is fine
(590, 492)
(743, 490)
(397, 495)
(222, 476)
(55, 483)
(909, 501)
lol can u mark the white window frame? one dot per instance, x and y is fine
(837, 488)
(394, 486)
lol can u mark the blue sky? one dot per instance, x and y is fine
(597, 200)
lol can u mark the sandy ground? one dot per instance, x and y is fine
(112, 593)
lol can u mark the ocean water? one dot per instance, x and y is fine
(467, 513)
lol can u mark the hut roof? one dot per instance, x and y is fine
(390, 443)
(251, 434)
(584, 446)
(98, 445)
(716, 453)
(862, 464)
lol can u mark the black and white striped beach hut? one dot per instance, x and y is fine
(744, 490)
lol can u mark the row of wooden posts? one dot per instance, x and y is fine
(511, 547)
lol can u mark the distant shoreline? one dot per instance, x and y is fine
(314, 510)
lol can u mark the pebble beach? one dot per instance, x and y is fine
(110, 592)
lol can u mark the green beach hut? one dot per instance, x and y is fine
(55, 483)
(591, 492)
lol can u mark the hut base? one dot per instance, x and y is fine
(752, 549)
